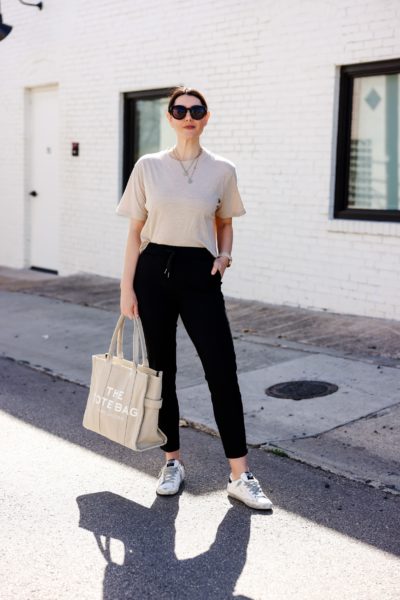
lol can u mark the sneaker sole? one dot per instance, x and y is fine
(165, 493)
(256, 507)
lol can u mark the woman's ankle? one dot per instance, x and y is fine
(238, 466)
(173, 455)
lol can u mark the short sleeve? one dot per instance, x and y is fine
(231, 204)
(133, 201)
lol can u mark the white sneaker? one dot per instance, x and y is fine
(248, 490)
(170, 477)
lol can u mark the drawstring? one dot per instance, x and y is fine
(167, 268)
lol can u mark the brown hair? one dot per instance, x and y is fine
(180, 90)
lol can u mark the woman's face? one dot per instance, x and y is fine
(187, 127)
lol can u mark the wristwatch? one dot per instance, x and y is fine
(227, 256)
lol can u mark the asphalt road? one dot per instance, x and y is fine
(80, 518)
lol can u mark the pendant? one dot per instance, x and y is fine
(189, 180)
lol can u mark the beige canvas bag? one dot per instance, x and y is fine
(125, 396)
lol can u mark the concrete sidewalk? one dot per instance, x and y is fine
(56, 323)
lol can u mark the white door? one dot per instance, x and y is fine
(43, 193)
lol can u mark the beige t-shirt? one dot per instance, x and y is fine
(176, 212)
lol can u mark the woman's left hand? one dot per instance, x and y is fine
(220, 265)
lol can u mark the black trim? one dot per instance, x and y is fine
(347, 75)
(43, 270)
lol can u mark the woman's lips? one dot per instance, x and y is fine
(189, 127)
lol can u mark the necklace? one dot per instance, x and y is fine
(187, 171)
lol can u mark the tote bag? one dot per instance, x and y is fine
(125, 396)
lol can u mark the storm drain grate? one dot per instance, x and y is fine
(301, 390)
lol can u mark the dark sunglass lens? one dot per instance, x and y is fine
(178, 112)
(198, 112)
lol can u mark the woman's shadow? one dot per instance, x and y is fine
(150, 568)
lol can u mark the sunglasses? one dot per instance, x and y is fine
(197, 112)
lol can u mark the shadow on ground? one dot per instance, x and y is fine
(57, 406)
(149, 567)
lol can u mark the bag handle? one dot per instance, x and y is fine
(139, 343)
(120, 343)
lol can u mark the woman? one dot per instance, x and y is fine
(181, 202)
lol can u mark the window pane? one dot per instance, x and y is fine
(374, 149)
(154, 131)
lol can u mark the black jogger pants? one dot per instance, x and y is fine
(176, 280)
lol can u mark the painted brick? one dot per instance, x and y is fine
(271, 79)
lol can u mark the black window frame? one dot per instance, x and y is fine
(130, 140)
(347, 75)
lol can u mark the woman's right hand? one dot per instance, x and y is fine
(128, 303)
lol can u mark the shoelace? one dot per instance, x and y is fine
(169, 473)
(254, 488)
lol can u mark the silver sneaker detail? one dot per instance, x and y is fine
(247, 489)
(170, 477)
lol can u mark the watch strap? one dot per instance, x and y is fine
(227, 255)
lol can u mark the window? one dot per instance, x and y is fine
(368, 143)
(146, 128)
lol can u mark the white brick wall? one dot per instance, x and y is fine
(269, 71)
